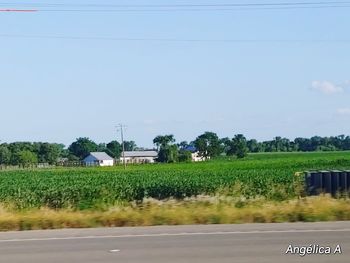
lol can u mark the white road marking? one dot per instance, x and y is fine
(114, 250)
(177, 234)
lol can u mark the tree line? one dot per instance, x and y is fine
(27, 153)
(208, 145)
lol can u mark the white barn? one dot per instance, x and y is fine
(98, 159)
(139, 157)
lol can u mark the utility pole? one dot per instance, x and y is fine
(121, 126)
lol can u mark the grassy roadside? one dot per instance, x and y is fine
(202, 210)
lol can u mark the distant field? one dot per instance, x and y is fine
(270, 176)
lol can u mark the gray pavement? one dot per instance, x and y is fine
(213, 243)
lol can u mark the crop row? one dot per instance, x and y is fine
(83, 188)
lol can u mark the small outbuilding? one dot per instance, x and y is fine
(98, 159)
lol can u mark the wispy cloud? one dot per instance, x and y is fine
(326, 87)
(344, 111)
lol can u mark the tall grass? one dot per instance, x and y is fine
(203, 210)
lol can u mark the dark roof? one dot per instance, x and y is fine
(190, 148)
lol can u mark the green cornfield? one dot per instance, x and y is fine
(270, 176)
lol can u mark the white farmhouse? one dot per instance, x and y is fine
(196, 157)
(98, 159)
(139, 157)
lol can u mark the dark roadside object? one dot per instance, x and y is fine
(334, 182)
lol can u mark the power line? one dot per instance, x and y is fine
(128, 39)
(181, 5)
(59, 7)
(185, 9)
(18, 10)
(174, 10)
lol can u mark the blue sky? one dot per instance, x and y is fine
(59, 89)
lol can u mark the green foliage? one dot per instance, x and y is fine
(45, 152)
(163, 140)
(5, 155)
(239, 146)
(208, 145)
(82, 147)
(253, 146)
(259, 175)
(114, 149)
(25, 158)
(49, 153)
(185, 156)
(315, 143)
(129, 145)
(168, 154)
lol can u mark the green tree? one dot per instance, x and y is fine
(5, 155)
(168, 154)
(26, 158)
(168, 151)
(163, 140)
(17, 147)
(101, 147)
(114, 149)
(346, 143)
(239, 146)
(20, 146)
(185, 156)
(226, 144)
(49, 152)
(129, 146)
(82, 147)
(208, 145)
(253, 146)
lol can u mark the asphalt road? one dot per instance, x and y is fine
(215, 243)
